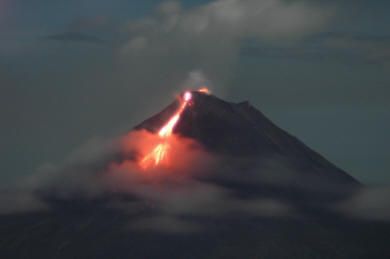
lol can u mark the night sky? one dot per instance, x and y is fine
(72, 71)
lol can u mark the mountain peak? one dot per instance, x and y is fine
(240, 130)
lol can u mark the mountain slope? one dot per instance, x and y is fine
(233, 212)
(241, 131)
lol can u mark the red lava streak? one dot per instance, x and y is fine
(159, 154)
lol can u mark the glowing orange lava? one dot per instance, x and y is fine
(204, 90)
(160, 153)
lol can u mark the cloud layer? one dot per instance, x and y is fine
(197, 187)
(209, 37)
(368, 204)
(168, 199)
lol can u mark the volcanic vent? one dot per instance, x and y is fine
(240, 131)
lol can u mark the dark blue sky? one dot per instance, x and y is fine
(74, 70)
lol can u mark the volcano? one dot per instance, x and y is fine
(266, 195)
(240, 131)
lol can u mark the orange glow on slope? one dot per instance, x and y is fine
(160, 153)
(155, 157)
(204, 90)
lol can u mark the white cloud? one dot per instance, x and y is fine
(267, 19)
(174, 40)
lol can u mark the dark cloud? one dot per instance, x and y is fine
(16, 202)
(94, 23)
(75, 37)
(368, 204)
(369, 48)
(347, 48)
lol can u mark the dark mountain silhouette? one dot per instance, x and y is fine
(260, 162)
(242, 131)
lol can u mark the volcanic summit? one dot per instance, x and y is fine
(266, 195)
(240, 131)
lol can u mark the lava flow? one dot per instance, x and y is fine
(160, 153)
